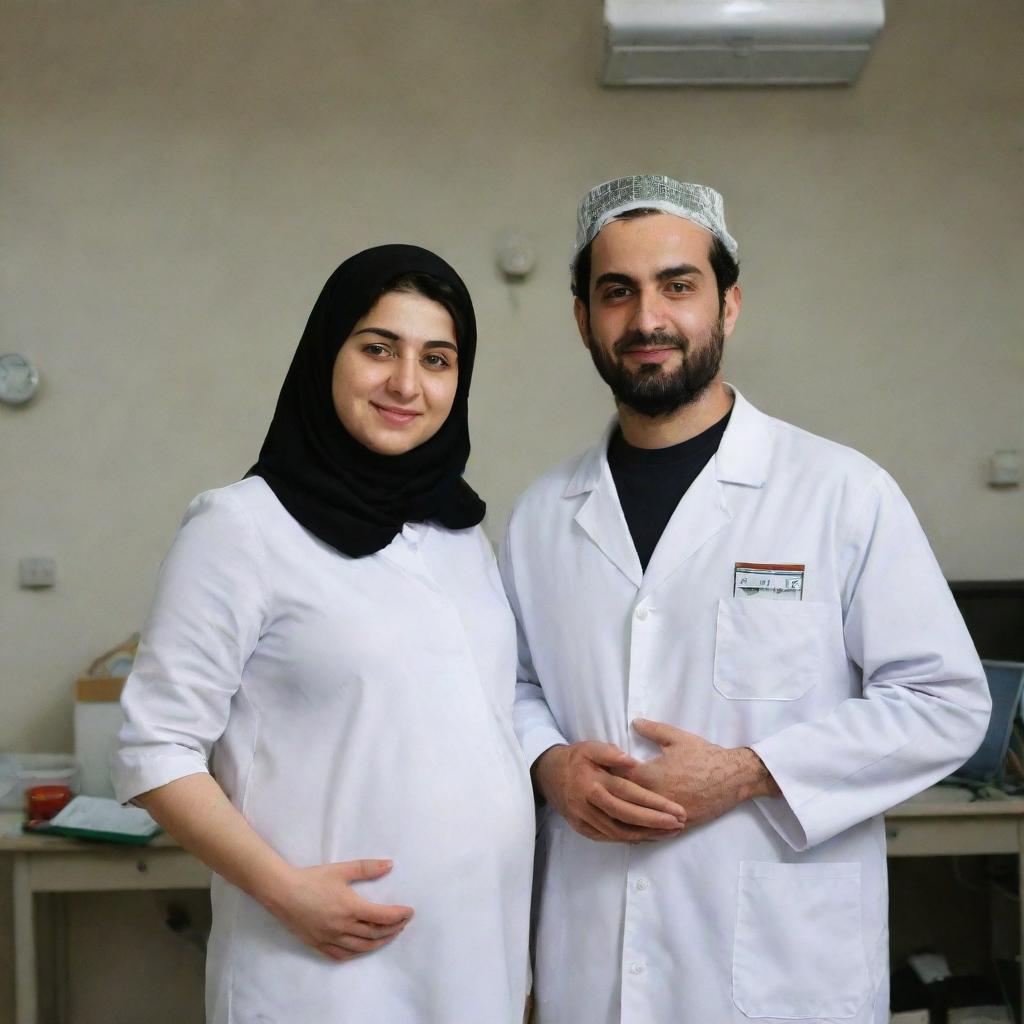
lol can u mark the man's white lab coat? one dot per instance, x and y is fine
(857, 696)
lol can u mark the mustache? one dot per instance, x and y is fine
(657, 339)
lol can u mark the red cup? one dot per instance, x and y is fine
(43, 802)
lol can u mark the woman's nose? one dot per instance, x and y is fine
(404, 380)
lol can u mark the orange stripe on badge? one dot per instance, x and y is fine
(761, 566)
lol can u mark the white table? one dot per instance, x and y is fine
(51, 866)
(936, 824)
(931, 825)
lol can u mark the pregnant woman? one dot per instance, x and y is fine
(320, 708)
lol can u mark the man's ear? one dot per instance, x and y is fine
(582, 315)
(731, 307)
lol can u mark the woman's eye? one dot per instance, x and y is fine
(434, 360)
(376, 349)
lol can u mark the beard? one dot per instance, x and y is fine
(651, 390)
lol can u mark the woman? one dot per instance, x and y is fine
(333, 631)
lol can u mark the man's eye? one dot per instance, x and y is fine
(616, 293)
(680, 287)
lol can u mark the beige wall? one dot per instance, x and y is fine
(179, 178)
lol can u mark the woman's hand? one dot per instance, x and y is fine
(320, 906)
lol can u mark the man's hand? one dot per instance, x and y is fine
(706, 779)
(577, 781)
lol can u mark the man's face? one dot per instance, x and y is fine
(655, 330)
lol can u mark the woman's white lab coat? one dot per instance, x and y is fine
(855, 697)
(353, 708)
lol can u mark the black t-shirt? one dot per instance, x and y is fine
(651, 481)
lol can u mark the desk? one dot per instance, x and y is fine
(52, 865)
(934, 824)
(930, 825)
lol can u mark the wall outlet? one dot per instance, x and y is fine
(37, 573)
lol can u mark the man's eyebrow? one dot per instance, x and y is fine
(615, 279)
(681, 271)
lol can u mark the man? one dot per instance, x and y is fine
(737, 651)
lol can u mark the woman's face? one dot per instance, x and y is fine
(395, 375)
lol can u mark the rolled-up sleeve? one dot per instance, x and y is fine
(205, 622)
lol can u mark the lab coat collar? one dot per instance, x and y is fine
(742, 458)
(746, 447)
(743, 454)
(592, 462)
(600, 516)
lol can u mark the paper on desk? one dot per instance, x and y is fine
(980, 1015)
(910, 1017)
(930, 967)
(100, 814)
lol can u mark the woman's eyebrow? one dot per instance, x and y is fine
(441, 344)
(390, 335)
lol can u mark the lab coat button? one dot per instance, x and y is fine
(636, 968)
(642, 884)
(641, 613)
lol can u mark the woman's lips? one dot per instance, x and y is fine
(396, 417)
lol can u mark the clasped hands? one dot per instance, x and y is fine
(609, 796)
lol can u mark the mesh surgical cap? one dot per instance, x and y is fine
(696, 203)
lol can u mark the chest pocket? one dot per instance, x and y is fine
(771, 650)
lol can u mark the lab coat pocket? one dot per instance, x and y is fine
(770, 650)
(798, 950)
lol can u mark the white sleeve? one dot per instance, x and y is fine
(925, 702)
(534, 723)
(204, 623)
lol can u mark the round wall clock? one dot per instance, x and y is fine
(19, 379)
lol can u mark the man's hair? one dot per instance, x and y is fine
(727, 270)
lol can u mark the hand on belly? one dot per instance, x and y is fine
(321, 907)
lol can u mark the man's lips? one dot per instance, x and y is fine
(394, 415)
(650, 355)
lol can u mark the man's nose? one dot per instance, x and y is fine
(650, 315)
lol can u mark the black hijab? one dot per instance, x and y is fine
(350, 497)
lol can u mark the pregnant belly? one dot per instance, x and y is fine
(434, 788)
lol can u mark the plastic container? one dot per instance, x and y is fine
(43, 802)
(19, 772)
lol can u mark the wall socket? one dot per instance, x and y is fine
(37, 573)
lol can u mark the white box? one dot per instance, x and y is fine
(98, 719)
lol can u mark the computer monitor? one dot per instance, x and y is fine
(994, 613)
(986, 766)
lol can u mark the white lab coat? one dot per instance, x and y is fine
(353, 707)
(861, 694)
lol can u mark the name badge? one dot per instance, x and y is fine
(775, 582)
